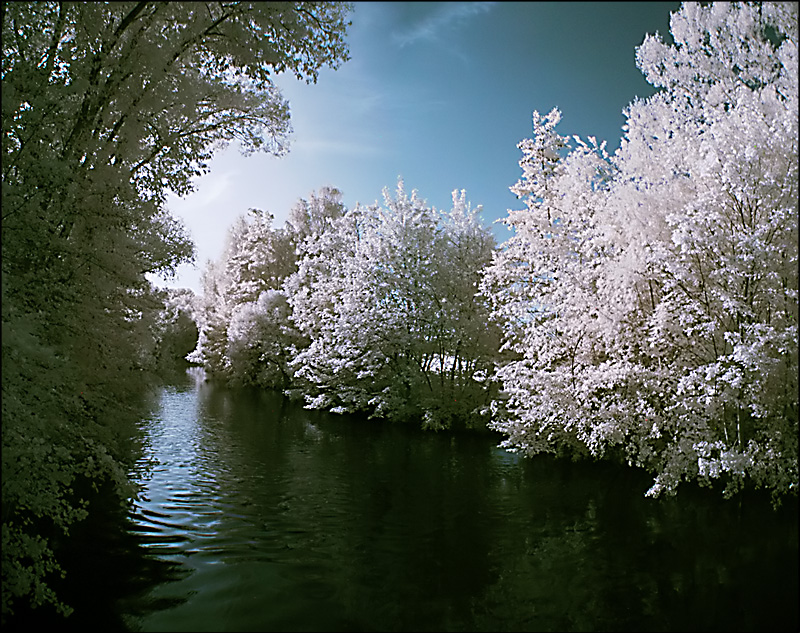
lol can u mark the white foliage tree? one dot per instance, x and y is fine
(327, 298)
(653, 309)
(545, 289)
(262, 341)
(387, 298)
(315, 215)
(245, 333)
(246, 336)
(727, 314)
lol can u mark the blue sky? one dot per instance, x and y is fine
(438, 93)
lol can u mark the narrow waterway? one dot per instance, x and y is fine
(273, 518)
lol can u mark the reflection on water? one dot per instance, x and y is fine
(281, 519)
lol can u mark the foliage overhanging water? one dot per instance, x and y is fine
(258, 515)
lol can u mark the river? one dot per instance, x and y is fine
(258, 515)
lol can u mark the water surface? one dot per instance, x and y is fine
(274, 518)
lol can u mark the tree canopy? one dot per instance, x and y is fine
(372, 309)
(650, 297)
(644, 310)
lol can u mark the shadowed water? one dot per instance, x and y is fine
(269, 517)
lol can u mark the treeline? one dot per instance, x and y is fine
(373, 309)
(644, 310)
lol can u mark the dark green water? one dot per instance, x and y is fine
(260, 516)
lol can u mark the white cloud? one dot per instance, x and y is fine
(448, 15)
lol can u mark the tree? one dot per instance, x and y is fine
(175, 332)
(245, 333)
(727, 279)
(106, 108)
(653, 311)
(545, 289)
(387, 299)
(316, 215)
(263, 341)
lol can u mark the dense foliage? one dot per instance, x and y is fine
(175, 332)
(651, 297)
(645, 308)
(387, 298)
(372, 309)
(106, 108)
(245, 334)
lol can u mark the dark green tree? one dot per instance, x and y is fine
(106, 108)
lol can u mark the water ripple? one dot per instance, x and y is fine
(289, 523)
